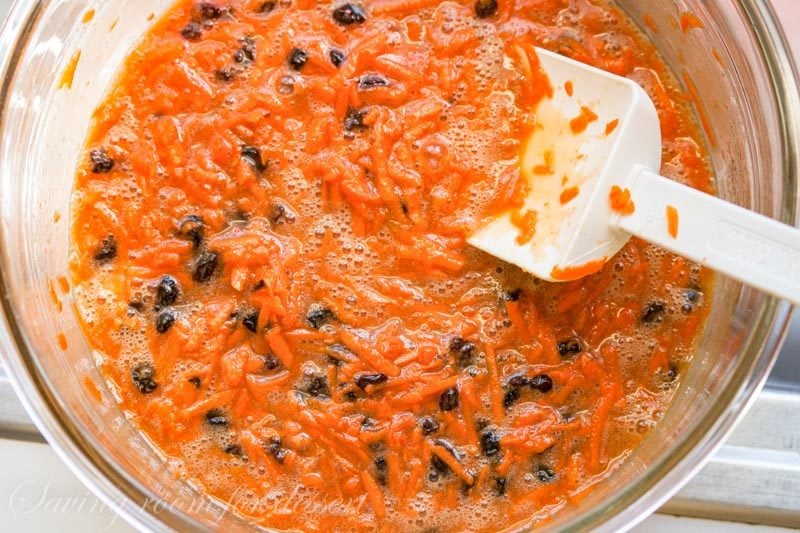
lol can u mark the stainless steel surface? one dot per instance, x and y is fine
(754, 478)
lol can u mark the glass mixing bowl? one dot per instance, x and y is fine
(745, 86)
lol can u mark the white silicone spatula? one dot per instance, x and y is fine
(622, 147)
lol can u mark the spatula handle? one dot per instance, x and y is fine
(734, 241)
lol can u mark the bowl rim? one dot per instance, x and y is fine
(625, 510)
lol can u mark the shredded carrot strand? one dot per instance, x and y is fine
(672, 221)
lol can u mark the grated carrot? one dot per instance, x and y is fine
(453, 463)
(620, 200)
(334, 333)
(690, 21)
(496, 391)
(280, 346)
(611, 126)
(582, 121)
(374, 495)
(526, 223)
(672, 221)
(569, 194)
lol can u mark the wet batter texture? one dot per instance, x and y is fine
(270, 262)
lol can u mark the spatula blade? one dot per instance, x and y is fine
(571, 170)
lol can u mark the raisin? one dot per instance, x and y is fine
(280, 456)
(209, 11)
(544, 474)
(196, 382)
(250, 321)
(372, 81)
(165, 320)
(192, 31)
(512, 295)
(347, 14)
(276, 450)
(317, 316)
(363, 379)
(510, 397)
(267, 7)
(485, 8)
(449, 399)
(234, 449)
(463, 351)
(350, 396)
(354, 119)
(142, 376)
(225, 74)
(672, 373)
(518, 381)
(500, 485)
(247, 52)
(191, 227)
(654, 311)
(167, 292)
(298, 58)
(205, 266)
(216, 417)
(569, 347)
(542, 383)
(101, 162)
(318, 386)
(490, 442)
(381, 469)
(107, 250)
(428, 425)
(253, 155)
(692, 295)
(439, 467)
(271, 362)
(337, 57)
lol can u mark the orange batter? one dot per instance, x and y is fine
(269, 258)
